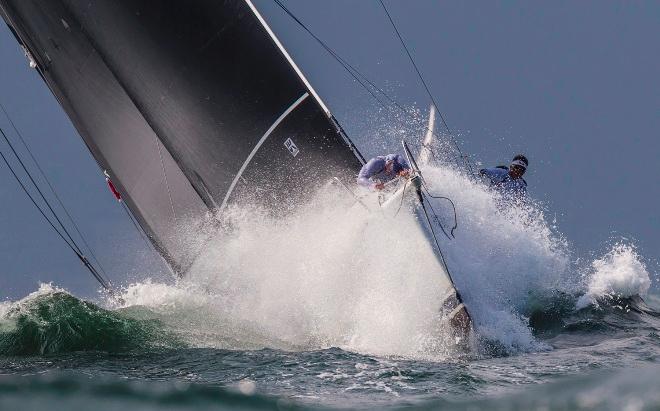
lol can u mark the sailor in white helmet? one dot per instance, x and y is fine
(508, 180)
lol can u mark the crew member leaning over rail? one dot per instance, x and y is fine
(508, 180)
(382, 169)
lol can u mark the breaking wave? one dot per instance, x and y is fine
(328, 276)
(334, 275)
(337, 276)
(503, 251)
(620, 273)
(51, 321)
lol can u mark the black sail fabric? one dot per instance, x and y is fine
(190, 106)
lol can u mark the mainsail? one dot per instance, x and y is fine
(189, 106)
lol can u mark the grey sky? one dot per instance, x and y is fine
(574, 85)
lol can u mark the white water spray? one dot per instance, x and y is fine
(619, 273)
(327, 276)
(503, 252)
(331, 275)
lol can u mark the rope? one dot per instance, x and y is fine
(364, 80)
(467, 165)
(437, 244)
(403, 196)
(420, 196)
(436, 214)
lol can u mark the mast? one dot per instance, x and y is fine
(190, 107)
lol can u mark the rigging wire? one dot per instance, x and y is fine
(348, 67)
(356, 74)
(466, 163)
(40, 70)
(403, 196)
(362, 79)
(140, 231)
(27, 192)
(106, 284)
(41, 194)
(52, 189)
(66, 237)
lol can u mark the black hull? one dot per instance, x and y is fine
(190, 106)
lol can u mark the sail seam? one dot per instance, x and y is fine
(256, 147)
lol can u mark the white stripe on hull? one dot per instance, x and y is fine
(258, 145)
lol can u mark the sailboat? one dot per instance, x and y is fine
(193, 107)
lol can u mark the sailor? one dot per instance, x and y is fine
(508, 180)
(382, 169)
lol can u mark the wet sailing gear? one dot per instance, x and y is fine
(375, 170)
(501, 180)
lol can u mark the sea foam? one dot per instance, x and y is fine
(619, 273)
(335, 275)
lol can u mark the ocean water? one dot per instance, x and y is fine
(330, 308)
